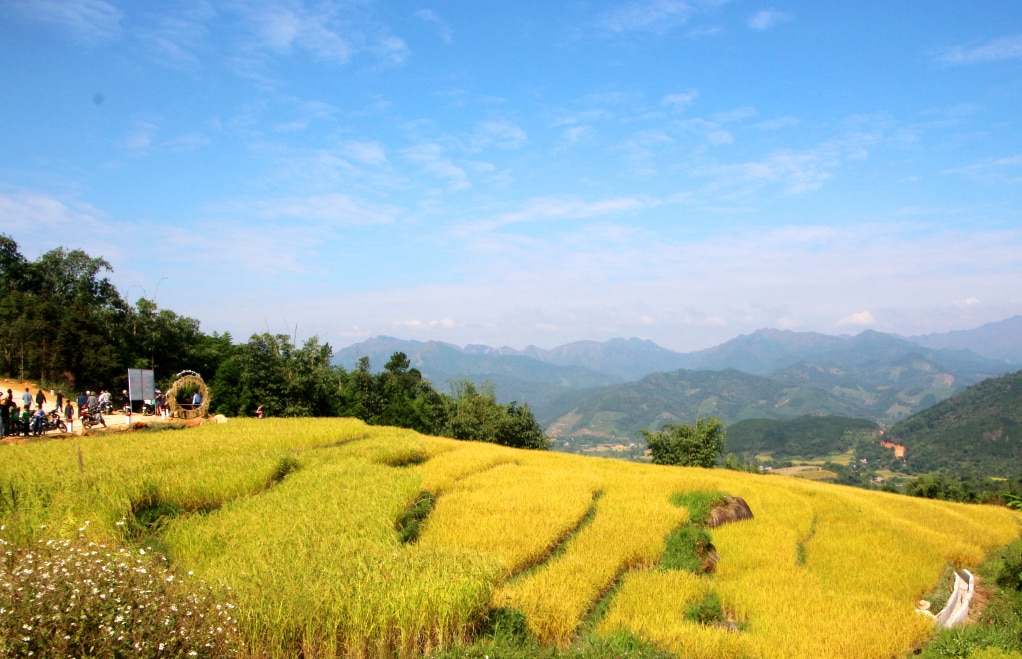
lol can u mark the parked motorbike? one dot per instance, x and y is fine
(90, 418)
(46, 423)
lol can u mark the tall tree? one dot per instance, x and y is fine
(687, 446)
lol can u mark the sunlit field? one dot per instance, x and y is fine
(298, 521)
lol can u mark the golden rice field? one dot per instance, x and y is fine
(297, 518)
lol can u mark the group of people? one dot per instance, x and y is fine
(21, 414)
(17, 419)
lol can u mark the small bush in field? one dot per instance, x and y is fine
(75, 598)
(1010, 574)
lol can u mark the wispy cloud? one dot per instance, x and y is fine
(646, 15)
(559, 208)
(499, 133)
(309, 212)
(442, 28)
(87, 21)
(141, 136)
(432, 161)
(284, 27)
(792, 171)
(767, 18)
(858, 319)
(1002, 48)
(1004, 170)
(177, 36)
(680, 100)
(368, 153)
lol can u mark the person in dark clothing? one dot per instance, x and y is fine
(40, 399)
(5, 415)
(82, 400)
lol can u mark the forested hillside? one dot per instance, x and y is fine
(807, 437)
(977, 431)
(616, 413)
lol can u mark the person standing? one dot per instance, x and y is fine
(5, 415)
(40, 399)
(69, 416)
(60, 401)
(26, 399)
(83, 399)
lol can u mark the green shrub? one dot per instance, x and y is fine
(79, 598)
(407, 525)
(287, 465)
(685, 549)
(707, 612)
(700, 504)
(1010, 574)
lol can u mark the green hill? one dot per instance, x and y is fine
(806, 437)
(616, 413)
(977, 431)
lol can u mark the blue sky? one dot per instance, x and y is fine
(515, 173)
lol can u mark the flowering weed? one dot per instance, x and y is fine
(76, 598)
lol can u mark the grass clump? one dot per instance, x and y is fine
(686, 549)
(505, 634)
(700, 504)
(286, 466)
(79, 598)
(411, 519)
(708, 611)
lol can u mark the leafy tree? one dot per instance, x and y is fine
(476, 415)
(61, 318)
(270, 371)
(686, 445)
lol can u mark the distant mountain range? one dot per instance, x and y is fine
(596, 392)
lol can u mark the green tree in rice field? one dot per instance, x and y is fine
(686, 445)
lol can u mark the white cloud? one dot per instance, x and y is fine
(766, 19)
(430, 157)
(720, 137)
(566, 208)
(34, 210)
(1005, 170)
(445, 323)
(309, 212)
(858, 319)
(443, 29)
(141, 136)
(177, 36)
(499, 133)
(88, 21)
(777, 124)
(794, 172)
(653, 15)
(368, 153)
(1003, 48)
(680, 100)
(392, 51)
(321, 30)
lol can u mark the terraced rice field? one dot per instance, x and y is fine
(299, 519)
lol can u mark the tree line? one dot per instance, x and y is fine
(65, 325)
